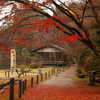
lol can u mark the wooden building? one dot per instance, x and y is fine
(50, 55)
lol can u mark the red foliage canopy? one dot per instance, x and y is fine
(26, 21)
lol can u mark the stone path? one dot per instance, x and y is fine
(64, 78)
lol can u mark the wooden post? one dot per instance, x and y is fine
(11, 72)
(18, 75)
(54, 70)
(37, 79)
(32, 82)
(19, 89)
(63, 68)
(39, 71)
(57, 69)
(8, 73)
(41, 77)
(25, 73)
(60, 68)
(22, 87)
(11, 92)
(46, 75)
(49, 74)
(5, 72)
(25, 84)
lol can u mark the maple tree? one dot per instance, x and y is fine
(22, 31)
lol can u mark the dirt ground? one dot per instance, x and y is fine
(64, 78)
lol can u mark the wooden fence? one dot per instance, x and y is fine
(22, 84)
(7, 72)
(50, 61)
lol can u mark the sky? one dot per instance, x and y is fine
(8, 9)
(5, 11)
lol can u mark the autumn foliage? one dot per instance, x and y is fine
(31, 22)
(80, 91)
(62, 93)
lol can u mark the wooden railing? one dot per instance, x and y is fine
(49, 60)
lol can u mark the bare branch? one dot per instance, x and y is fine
(70, 9)
(84, 11)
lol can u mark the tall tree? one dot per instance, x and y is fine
(25, 54)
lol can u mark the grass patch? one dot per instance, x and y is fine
(2, 71)
(78, 79)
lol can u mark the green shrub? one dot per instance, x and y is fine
(98, 31)
(33, 65)
(93, 25)
(85, 52)
(97, 41)
(40, 65)
(90, 63)
(56, 67)
(82, 56)
(79, 71)
(87, 67)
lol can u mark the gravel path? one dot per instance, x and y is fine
(63, 78)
